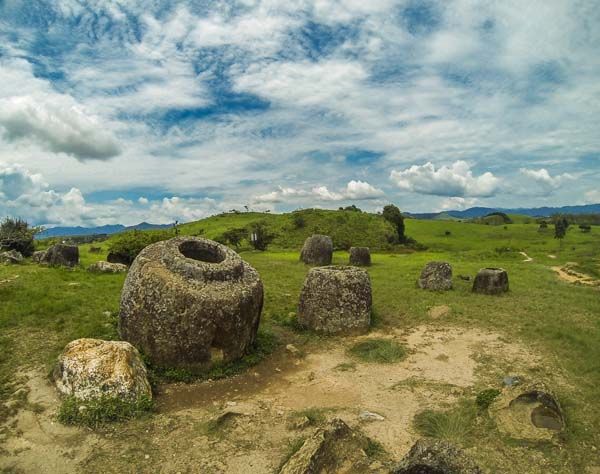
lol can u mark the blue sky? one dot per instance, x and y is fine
(122, 111)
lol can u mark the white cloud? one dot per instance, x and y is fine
(457, 203)
(544, 180)
(354, 190)
(456, 180)
(592, 196)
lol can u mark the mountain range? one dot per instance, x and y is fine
(102, 230)
(475, 212)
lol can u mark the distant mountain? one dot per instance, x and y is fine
(474, 212)
(105, 229)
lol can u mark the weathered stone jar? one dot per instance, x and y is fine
(360, 256)
(317, 250)
(491, 281)
(61, 255)
(436, 276)
(189, 302)
(336, 299)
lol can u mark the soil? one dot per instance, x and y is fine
(255, 412)
(568, 274)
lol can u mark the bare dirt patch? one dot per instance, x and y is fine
(569, 274)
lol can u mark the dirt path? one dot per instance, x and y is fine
(527, 257)
(568, 274)
(258, 410)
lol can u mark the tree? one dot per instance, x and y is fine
(260, 237)
(16, 234)
(234, 236)
(560, 230)
(393, 215)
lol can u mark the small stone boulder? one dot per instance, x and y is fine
(336, 299)
(11, 257)
(491, 281)
(107, 267)
(436, 457)
(38, 256)
(334, 448)
(61, 255)
(436, 276)
(89, 369)
(360, 256)
(317, 250)
(189, 302)
(115, 257)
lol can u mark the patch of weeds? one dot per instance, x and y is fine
(382, 351)
(374, 448)
(293, 446)
(453, 425)
(266, 342)
(345, 367)
(214, 426)
(315, 416)
(95, 413)
(486, 397)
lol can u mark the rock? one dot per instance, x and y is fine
(436, 457)
(491, 281)
(370, 416)
(360, 256)
(529, 412)
(61, 255)
(439, 311)
(107, 267)
(188, 302)
(464, 277)
(38, 256)
(333, 448)
(89, 369)
(11, 257)
(336, 299)
(317, 250)
(511, 381)
(292, 349)
(115, 257)
(436, 276)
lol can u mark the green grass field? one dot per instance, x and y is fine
(44, 308)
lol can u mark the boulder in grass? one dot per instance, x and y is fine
(61, 255)
(436, 457)
(436, 276)
(491, 281)
(317, 250)
(11, 257)
(90, 369)
(38, 256)
(190, 302)
(107, 267)
(336, 299)
(360, 256)
(115, 257)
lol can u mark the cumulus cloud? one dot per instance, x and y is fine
(456, 180)
(592, 196)
(356, 190)
(544, 180)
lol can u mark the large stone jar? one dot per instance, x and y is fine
(336, 299)
(317, 250)
(491, 281)
(189, 302)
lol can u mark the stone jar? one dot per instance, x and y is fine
(436, 276)
(360, 256)
(491, 281)
(317, 250)
(336, 299)
(189, 302)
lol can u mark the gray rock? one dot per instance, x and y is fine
(61, 255)
(188, 302)
(11, 257)
(115, 257)
(38, 256)
(333, 448)
(336, 299)
(370, 416)
(360, 256)
(491, 281)
(436, 457)
(317, 250)
(436, 276)
(89, 369)
(107, 267)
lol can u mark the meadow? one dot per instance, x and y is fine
(42, 309)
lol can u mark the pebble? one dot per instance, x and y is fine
(292, 349)
(370, 416)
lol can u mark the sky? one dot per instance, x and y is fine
(122, 111)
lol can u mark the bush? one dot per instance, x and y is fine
(393, 215)
(16, 234)
(130, 244)
(298, 220)
(486, 397)
(233, 236)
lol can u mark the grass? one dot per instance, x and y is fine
(314, 416)
(455, 425)
(45, 308)
(486, 397)
(381, 351)
(95, 413)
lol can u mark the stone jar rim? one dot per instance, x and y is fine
(202, 259)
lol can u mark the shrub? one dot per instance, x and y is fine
(383, 351)
(585, 228)
(298, 220)
(486, 397)
(260, 236)
(233, 236)
(130, 244)
(393, 215)
(16, 234)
